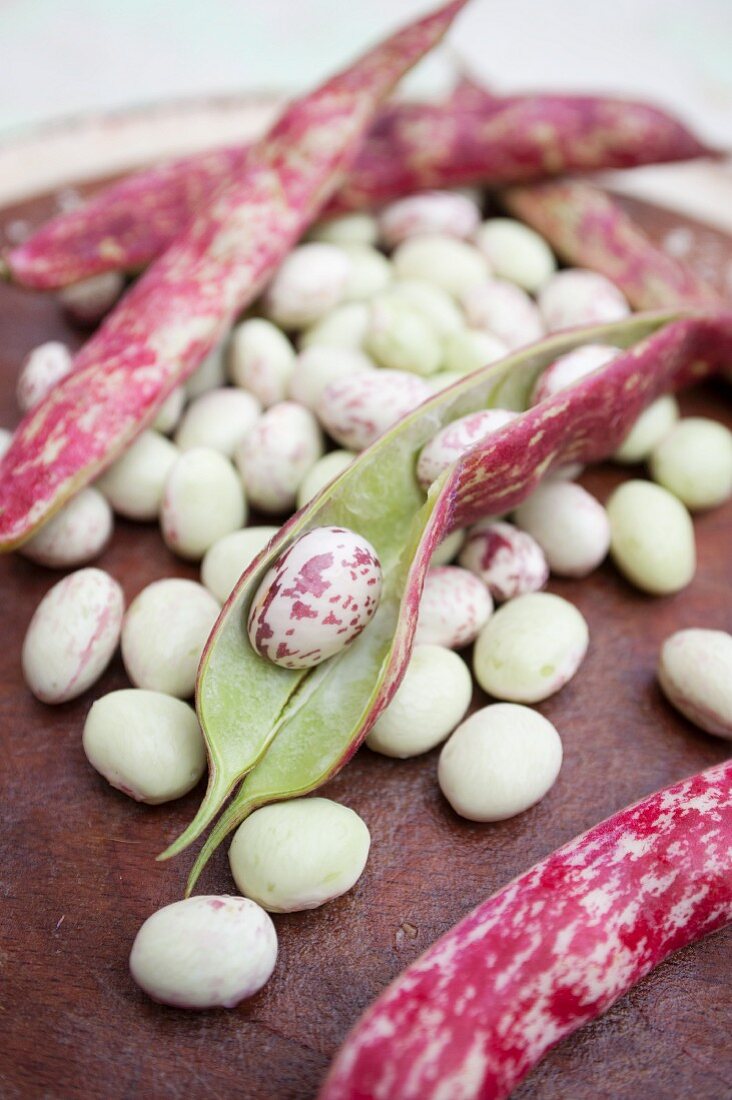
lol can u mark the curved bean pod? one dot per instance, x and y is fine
(549, 952)
(474, 137)
(293, 731)
(182, 307)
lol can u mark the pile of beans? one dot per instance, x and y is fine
(362, 323)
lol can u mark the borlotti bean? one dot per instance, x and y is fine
(400, 337)
(299, 854)
(316, 599)
(371, 273)
(470, 350)
(357, 409)
(211, 375)
(88, 301)
(218, 420)
(135, 483)
(431, 700)
(261, 360)
(163, 635)
(204, 952)
(445, 213)
(453, 265)
(203, 501)
(225, 561)
(41, 370)
(75, 535)
(449, 548)
(530, 648)
(454, 608)
(5, 437)
(578, 297)
(499, 762)
(310, 282)
(653, 425)
(320, 364)
(356, 228)
(454, 440)
(695, 674)
(146, 744)
(507, 560)
(322, 473)
(343, 327)
(516, 253)
(694, 462)
(276, 455)
(504, 310)
(170, 411)
(72, 636)
(569, 368)
(570, 526)
(651, 537)
(434, 303)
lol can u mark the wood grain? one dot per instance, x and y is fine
(79, 874)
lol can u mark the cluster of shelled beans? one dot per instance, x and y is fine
(361, 324)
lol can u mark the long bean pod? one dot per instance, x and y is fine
(474, 137)
(287, 732)
(181, 308)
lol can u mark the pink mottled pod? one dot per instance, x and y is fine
(274, 457)
(311, 281)
(316, 598)
(509, 561)
(578, 297)
(357, 409)
(445, 212)
(505, 310)
(570, 368)
(454, 608)
(75, 535)
(42, 369)
(87, 302)
(569, 524)
(456, 439)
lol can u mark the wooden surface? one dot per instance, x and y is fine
(79, 876)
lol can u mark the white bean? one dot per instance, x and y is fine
(343, 327)
(454, 608)
(451, 264)
(499, 762)
(578, 297)
(225, 561)
(147, 745)
(42, 369)
(203, 501)
(357, 409)
(651, 537)
(170, 411)
(276, 455)
(570, 368)
(430, 701)
(399, 337)
(456, 439)
(75, 535)
(73, 635)
(516, 253)
(695, 674)
(310, 282)
(299, 854)
(508, 561)
(449, 548)
(570, 526)
(210, 375)
(504, 310)
(434, 303)
(88, 301)
(355, 228)
(135, 483)
(472, 349)
(204, 952)
(218, 420)
(431, 212)
(694, 462)
(322, 473)
(530, 648)
(653, 425)
(371, 273)
(320, 364)
(261, 360)
(163, 635)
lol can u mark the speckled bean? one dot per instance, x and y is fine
(261, 360)
(357, 409)
(695, 674)
(311, 282)
(504, 310)
(77, 534)
(42, 369)
(578, 297)
(570, 368)
(454, 607)
(276, 455)
(456, 439)
(508, 561)
(320, 364)
(445, 213)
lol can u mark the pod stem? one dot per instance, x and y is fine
(218, 790)
(229, 820)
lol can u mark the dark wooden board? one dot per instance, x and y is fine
(79, 876)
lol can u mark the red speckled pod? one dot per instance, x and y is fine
(473, 138)
(551, 951)
(182, 307)
(587, 228)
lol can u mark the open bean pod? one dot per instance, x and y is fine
(284, 732)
